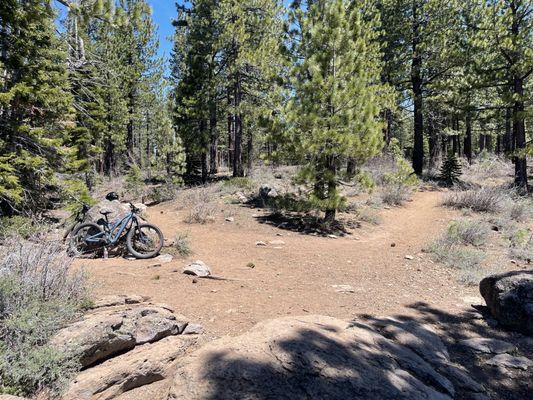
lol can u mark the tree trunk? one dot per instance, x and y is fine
(387, 130)
(213, 145)
(416, 81)
(350, 167)
(482, 142)
(231, 131)
(238, 169)
(519, 134)
(508, 145)
(468, 137)
(330, 214)
(249, 153)
(434, 147)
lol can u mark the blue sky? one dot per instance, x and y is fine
(163, 13)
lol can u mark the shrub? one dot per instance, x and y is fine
(521, 245)
(19, 225)
(467, 232)
(397, 185)
(163, 193)
(368, 215)
(243, 183)
(201, 209)
(519, 210)
(454, 256)
(39, 294)
(182, 245)
(472, 276)
(487, 199)
(395, 195)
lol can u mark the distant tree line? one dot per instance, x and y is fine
(323, 84)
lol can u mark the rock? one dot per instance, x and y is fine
(241, 197)
(393, 245)
(164, 258)
(116, 208)
(106, 332)
(343, 288)
(408, 257)
(197, 268)
(277, 242)
(314, 357)
(230, 219)
(169, 242)
(506, 360)
(142, 366)
(118, 300)
(141, 207)
(267, 192)
(193, 329)
(331, 236)
(509, 297)
(487, 345)
(260, 243)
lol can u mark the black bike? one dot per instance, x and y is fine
(142, 240)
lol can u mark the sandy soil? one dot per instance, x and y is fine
(296, 277)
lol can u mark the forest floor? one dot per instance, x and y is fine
(384, 265)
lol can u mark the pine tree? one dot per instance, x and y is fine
(335, 110)
(34, 102)
(450, 170)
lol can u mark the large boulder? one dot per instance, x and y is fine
(141, 366)
(110, 330)
(319, 357)
(509, 297)
(116, 209)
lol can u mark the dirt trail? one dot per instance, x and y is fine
(296, 277)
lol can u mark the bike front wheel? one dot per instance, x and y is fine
(144, 241)
(86, 239)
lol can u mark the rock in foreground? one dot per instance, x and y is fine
(318, 357)
(509, 296)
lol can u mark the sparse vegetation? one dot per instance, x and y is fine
(200, 206)
(19, 225)
(485, 199)
(467, 232)
(182, 245)
(455, 256)
(368, 215)
(162, 193)
(521, 245)
(39, 294)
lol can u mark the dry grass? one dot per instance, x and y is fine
(182, 245)
(486, 199)
(200, 204)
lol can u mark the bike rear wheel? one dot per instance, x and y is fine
(80, 245)
(144, 241)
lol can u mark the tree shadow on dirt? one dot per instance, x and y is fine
(328, 363)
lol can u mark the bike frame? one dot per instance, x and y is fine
(108, 233)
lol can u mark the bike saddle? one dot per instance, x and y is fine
(106, 212)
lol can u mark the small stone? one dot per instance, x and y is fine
(408, 257)
(513, 261)
(343, 288)
(193, 329)
(195, 280)
(332, 236)
(487, 345)
(197, 268)
(506, 360)
(260, 243)
(164, 258)
(393, 245)
(230, 219)
(277, 242)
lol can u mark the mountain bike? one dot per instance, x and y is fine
(78, 220)
(142, 240)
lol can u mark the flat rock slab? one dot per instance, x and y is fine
(311, 357)
(197, 268)
(142, 366)
(509, 361)
(487, 345)
(164, 258)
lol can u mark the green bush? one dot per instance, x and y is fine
(39, 294)
(182, 245)
(243, 183)
(450, 170)
(467, 232)
(163, 193)
(19, 225)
